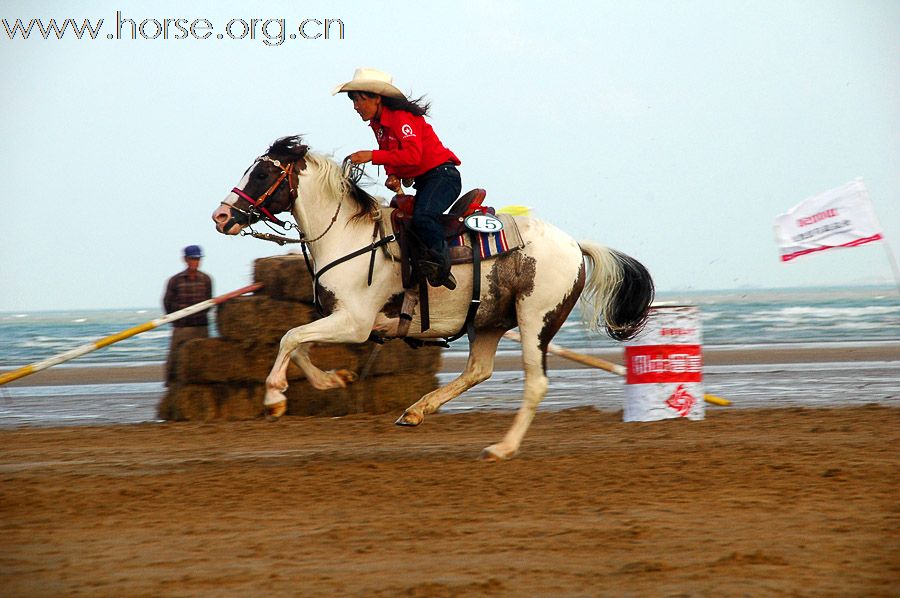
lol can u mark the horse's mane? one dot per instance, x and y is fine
(332, 180)
(328, 175)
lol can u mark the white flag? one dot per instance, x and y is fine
(842, 217)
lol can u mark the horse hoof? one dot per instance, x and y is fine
(346, 376)
(410, 418)
(275, 411)
(494, 453)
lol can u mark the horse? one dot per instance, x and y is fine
(533, 288)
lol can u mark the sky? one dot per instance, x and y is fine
(673, 131)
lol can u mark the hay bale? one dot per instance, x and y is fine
(396, 357)
(285, 277)
(220, 401)
(224, 378)
(210, 402)
(259, 319)
(380, 394)
(216, 360)
(303, 399)
(189, 402)
(390, 394)
(167, 410)
(241, 402)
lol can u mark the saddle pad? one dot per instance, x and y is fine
(490, 244)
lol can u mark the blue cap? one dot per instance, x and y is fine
(193, 251)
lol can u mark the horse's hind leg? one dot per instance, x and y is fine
(537, 327)
(318, 378)
(533, 356)
(479, 368)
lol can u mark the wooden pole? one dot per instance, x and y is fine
(601, 364)
(119, 336)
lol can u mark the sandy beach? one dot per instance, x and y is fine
(774, 501)
(750, 501)
(798, 502)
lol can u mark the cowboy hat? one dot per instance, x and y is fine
(373, 81)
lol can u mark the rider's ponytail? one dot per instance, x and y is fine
(416, 107)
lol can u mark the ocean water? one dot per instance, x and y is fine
(742, 318)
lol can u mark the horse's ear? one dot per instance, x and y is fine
(300, 160)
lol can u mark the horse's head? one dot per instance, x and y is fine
(269, 187)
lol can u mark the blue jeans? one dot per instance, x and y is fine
(436, 190)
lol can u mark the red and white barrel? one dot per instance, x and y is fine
(664, 365)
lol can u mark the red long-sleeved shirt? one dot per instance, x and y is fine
(407, 145)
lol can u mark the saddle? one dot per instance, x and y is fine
(466, 246)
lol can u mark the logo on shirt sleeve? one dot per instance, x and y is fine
(407, 131)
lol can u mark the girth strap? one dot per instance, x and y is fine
(468, 327)
(476, 288)
(424, 312)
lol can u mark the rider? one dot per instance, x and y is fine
(408, 148)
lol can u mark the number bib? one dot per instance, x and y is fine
(483, 223)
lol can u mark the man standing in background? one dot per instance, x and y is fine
(186, 288)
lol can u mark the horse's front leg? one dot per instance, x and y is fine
(339, 327)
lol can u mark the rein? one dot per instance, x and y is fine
(328, 228)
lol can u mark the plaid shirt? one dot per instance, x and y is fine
(184, 291)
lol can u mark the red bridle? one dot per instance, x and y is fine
(259, 203)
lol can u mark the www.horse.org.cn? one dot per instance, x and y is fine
(272, 32)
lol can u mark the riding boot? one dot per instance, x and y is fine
(435, 268)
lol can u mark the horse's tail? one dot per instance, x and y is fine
(619, 289)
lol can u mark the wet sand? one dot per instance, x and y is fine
(798, 502)
(507, 361)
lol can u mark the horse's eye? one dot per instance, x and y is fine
(261, 175)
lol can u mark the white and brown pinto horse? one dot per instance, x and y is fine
(533, 288)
